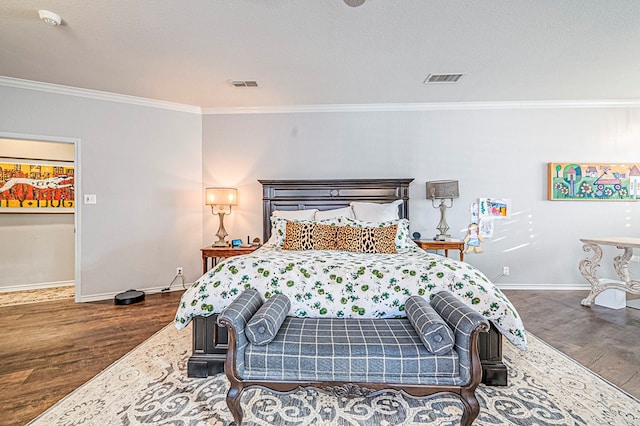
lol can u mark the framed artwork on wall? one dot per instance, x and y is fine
(593, 181)
(36, 186)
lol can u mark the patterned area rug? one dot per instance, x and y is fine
(149, 386)
(35, 296)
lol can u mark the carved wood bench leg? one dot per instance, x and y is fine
(233, 402)
(471, 407)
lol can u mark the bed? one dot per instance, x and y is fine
(234, 275)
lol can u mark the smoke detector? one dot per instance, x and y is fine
(354, 3)
(49, 17)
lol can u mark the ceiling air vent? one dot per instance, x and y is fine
(243, 83)
(443, 78)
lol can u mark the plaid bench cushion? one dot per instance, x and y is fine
(351, 350)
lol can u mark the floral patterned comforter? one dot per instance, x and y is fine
(349, 285)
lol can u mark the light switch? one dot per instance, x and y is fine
(89, 198)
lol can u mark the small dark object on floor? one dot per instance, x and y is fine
(128, 297)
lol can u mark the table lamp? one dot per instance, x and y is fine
(442, 190)
(221, 200)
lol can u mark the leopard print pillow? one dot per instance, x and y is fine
(324, 237)
(348, 238)
(298, 236)
(367, 240)
(385, 239)
(309, 236)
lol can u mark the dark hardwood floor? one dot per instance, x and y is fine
(607, 341)
(49, 349)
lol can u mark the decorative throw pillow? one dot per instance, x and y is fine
(434, 332)
(348, 238)
(265, 323)
(366, 240)
(375, 212)
(279, 227)
(324, 237)
(298, 236)
(403, 239)
(378, 240)
(385, 239)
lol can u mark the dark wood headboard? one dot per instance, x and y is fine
(328, 194)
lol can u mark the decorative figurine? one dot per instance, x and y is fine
(473, 239)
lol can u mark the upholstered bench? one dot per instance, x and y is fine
(433, 350)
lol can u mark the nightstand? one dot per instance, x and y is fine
(215, 253)
(442, 245)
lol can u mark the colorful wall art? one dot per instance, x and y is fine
(36, 186)
(594, 181)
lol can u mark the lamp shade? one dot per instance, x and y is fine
(221, 197)
(439, 189)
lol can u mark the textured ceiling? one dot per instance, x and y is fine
(315, 52)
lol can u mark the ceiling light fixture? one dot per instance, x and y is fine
(354, 3)
(49, 17)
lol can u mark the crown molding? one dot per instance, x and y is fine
(296, 109)
(432, 106)
(96, 94)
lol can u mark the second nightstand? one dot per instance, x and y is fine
(442, 245)
(215, 253)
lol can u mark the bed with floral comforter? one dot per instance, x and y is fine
(331, 283)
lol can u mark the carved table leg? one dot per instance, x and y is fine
(621, 264)
(588, 269)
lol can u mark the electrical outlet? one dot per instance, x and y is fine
(635, 258)
(505, 270)
(179, 270)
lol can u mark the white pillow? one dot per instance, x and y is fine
(295, 214)
(291, 215)
(375, 212)
(330, 214)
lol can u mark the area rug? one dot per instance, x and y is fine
(24, 297)
(149, 386)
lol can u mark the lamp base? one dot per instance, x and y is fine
(442, 237)
(220, 244)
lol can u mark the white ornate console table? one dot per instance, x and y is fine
(620, 263)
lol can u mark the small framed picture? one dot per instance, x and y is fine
(236, 243)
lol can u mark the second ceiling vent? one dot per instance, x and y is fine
(243, 83)
(442, 78)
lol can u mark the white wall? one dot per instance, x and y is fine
(493, 153)
(38, 249)
(144, 164)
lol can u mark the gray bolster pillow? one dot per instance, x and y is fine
(432, 329)
(264, 324)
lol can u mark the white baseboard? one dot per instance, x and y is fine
(527, 286)
(148, 290)
(152, 290)
(36, 286)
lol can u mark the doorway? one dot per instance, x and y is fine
(39, 212)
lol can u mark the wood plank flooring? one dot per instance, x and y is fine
(49, 349)
(607, 341)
